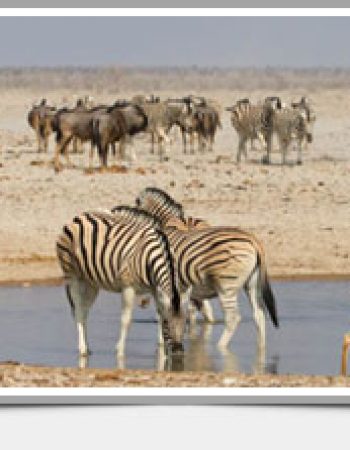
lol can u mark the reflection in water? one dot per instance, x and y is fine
(199, 357)
(272, 366)
(83, 361)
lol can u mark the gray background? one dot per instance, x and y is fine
(175, 41)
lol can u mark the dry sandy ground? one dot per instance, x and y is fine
(18, 375)
(301, 213)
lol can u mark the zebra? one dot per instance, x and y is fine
(305, 107)
(247, 120)
(216, 261)
(100, 250)
(202, 306)
(288, 123)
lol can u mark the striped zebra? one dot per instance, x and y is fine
(247, 120)
(216, 261)
(203, 306)
(289, 124)
(100, 250)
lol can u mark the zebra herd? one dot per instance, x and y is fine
(152, 247)
(263, 120)
(197, 118)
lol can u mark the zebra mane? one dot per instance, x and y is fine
(177, 208)
(130, 211)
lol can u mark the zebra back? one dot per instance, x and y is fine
(246, 118)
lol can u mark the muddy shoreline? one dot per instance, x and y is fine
(13, 374)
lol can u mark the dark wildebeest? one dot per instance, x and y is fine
(118, 123)
(74, 123)
(40, 119)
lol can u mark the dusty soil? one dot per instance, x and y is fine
(19, 375)
(301, 213)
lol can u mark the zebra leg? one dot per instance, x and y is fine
(184, 142)
(46, 142)
(38, 138)
(284, 148)
(241, 148)
(299, 160)
(228, 300)
(152, 143)
(160, 331)
(267, 158)
(128, 296)
(253, 291)
(192, 317)
(81, 296)
(192, 138)
(207, 311)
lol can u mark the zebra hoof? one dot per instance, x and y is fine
(299, 163)
(84, 353)
(265, 160)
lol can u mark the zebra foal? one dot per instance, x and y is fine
(100, 250)
(216, 261)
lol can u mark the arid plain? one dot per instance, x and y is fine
(300, 213)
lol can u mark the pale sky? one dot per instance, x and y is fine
(175, 41)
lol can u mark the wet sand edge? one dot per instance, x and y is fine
(13, 374)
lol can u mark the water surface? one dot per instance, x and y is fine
(36, 328)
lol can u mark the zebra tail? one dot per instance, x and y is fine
(266, 291)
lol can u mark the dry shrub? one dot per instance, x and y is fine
(115, 80)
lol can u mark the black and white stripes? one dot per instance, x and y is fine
(216, 261)
(100, 250)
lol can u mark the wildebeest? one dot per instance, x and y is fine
(117, 123)
(40, 119)
(74, 123)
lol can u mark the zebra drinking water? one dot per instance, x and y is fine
(99, 250)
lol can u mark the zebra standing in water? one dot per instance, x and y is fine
(203, 306)
(100, 250)
(216, 261)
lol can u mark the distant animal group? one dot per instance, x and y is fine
(152, 248)
(196, 117)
